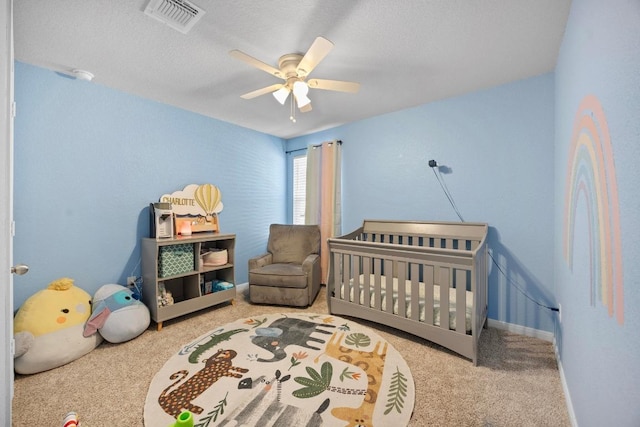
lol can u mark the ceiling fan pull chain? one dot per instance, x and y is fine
(292, 117)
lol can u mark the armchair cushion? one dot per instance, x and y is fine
(279, 275)
(284, 275)
(292, 243)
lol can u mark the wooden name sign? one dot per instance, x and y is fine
(196, 208)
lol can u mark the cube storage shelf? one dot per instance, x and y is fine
(185, 273)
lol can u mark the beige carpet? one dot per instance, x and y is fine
(516, 382)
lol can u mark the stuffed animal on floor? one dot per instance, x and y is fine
(48, 328)
(117, 315)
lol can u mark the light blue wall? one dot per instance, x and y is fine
(495, 147)
(89, 160)
(600, 357)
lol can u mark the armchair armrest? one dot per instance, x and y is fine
(311, 267)
(260, 261)
(309, 262)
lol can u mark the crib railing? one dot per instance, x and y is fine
(416, 256)
(360, 274)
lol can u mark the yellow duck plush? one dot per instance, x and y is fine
(48, 328)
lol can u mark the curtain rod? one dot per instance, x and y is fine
(314, 146)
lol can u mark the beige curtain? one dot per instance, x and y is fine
(323, 204)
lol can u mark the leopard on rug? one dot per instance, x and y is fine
(288, 369)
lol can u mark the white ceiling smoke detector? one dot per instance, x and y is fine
(180, 15)
(82, 74)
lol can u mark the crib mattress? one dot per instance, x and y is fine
(421, 300)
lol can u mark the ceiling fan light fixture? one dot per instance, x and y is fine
(302, 100)
(281, 94)
(300, 89)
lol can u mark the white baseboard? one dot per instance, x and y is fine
(565, 388)
(243, 288)
(522, 330)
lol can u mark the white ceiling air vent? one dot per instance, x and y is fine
(178, 14)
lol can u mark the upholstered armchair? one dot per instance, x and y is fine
(289, 273)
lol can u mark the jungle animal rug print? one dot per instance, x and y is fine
(285, 370)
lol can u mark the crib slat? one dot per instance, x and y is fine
(428, 273)
(461, 301)
(377, 279)
(444, 277)
(355, 278)
(415, 292)
(346, 290)
(388, 270)
(402, 289)
(366, 272)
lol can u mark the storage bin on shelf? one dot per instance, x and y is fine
(214, 257)
(215, 285)
(175, 259)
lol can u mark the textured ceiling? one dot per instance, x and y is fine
(403, 53)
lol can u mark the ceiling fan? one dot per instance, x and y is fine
(294, 69)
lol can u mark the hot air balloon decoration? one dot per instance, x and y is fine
(198, 205)
(208, 198)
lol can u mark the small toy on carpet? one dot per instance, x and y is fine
(184, 419)
(71, 420)
(117, 315)
(48, 328)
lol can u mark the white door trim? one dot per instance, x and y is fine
(6, 210)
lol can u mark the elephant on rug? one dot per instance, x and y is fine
(286, 331)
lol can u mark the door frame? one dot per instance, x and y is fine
(6, 209)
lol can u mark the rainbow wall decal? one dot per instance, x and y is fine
(591, 177)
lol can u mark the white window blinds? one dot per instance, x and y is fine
(299, 188)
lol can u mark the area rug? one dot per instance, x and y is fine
(287, 370)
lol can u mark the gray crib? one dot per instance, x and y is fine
(406, 274)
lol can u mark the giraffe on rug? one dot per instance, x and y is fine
(372, 363)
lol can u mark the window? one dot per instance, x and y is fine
(299, 188)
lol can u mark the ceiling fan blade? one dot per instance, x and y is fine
(262, 91)
(337, 85)
(306, 108)
(256, 63)
(316, 53)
